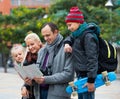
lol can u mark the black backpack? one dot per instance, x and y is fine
(107, 59)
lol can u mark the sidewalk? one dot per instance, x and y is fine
(10, 84)
(109, 92)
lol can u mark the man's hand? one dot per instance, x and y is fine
(90, 86)
(39, 80)
(67, 48)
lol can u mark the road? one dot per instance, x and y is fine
(10, 84)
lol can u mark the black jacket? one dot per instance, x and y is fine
(86, 59)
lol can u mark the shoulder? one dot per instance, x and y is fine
(41, 51)
(90, 35)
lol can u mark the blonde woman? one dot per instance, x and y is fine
(33, 44)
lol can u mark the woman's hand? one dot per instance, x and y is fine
(24, 92)
(28, 81)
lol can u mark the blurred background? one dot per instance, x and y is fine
(20, 17)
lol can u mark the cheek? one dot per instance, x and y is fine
(48, 39)
(52, 39)
(37, 47)
(16, 58)
(69, 27)
(76, 27)
(45, 38)
(22, 56)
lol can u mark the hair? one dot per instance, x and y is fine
(15, 47)
(51, 25)
(33, 36)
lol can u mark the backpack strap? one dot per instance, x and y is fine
(115, 52)
(109, 52)
(108, 48)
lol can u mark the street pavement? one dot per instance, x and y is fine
(10, 85)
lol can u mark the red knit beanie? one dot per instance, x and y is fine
(75, 15)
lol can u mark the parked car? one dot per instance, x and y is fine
(10, 62)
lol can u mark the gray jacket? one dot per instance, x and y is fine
(62, 72)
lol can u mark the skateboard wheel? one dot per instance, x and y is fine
(105, 77)
(71, 83)
(104, 73)
(74, 88)
(107, 83)
(74, 94)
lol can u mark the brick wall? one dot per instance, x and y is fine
(5, 7)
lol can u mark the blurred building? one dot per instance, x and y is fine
(7, 5)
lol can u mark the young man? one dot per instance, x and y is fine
(86, 56)
(56, 65)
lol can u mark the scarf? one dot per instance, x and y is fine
(91, 27)
(80, 30)
(52, 50)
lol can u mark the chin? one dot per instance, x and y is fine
(48, 43)
(33, 52)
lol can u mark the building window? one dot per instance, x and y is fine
(30, 2)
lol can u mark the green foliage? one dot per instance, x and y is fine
(2, 19)
(94, 11)
(14, 27)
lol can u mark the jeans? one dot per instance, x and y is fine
(43, 93)
(86, 95)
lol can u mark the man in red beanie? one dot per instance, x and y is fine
(86, 55)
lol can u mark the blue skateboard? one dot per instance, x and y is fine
(101, 79)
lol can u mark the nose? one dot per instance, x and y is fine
(18, 56)
(68, 28)
(29, 47)
(45, 38)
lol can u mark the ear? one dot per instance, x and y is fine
(56, 31)
(40, 44)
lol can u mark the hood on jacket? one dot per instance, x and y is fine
(94, 28)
